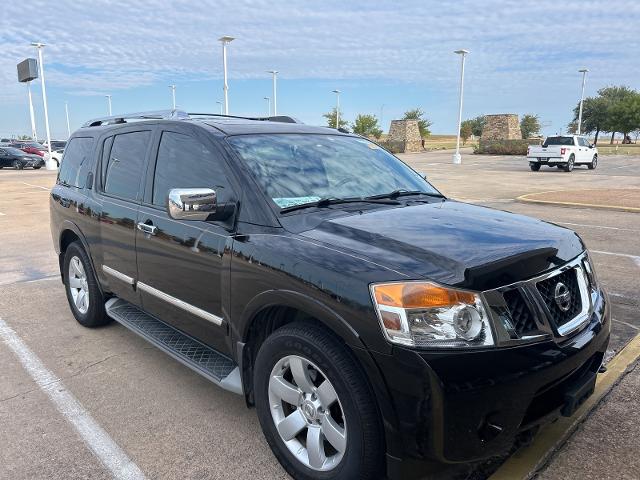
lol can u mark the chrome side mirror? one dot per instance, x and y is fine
(192, 203)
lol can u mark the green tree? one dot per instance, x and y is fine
(477, 125)
(615, 98)
(594, 116)
(626, 115)
(530, 126)
(331, 119)
(367, 126)
(466, 130)
(423, 123)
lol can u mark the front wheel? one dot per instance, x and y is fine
(315, 407)
(534, 167)
(36, 167)
(594, 163)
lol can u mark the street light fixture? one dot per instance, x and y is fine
(584, 79)
(66, 111)
(268, 105)
(274, 73)
(337, 92)
(50, 164)
(219, 103)
(108, 97)
(225, 41)
(173, 95)
(457, 158)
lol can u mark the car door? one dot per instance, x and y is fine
(583, 150)
(123, 162)
(181, 263)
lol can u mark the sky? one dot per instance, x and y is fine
(385, 57)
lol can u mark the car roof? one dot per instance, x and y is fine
(241, 126)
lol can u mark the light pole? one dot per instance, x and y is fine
(457, 158)
(268, 105)
(173, 95)
(220, 103)
(584, 79)
(34, 134)
(108, 97)
(225, 41)
(66, 111)
(274, 73)
(50, 164)
(337, 92)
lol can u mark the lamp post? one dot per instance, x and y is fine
(50, 164)
(457, 158)
(108, 97)
(337, 92)
(274, 74)
(225, 41)
(268, 105)
(66, 111)
(34, 134)
(219, 103)
(584, 79)
(173, 96)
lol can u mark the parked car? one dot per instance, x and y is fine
(378, 327)
(56, 155)
(30, 147)
(13, 157)
(55, 144)
(563, 152)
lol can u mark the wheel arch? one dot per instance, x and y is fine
(69, 233)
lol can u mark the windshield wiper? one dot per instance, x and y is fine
(325, 202)
(403, 193)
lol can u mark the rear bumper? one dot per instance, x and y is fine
(460, 407)
(545, 160)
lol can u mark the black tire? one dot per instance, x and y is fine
(36, 168)
(534, 167)
(18, 165)
(570, 164)
(363, 457)
(594, 163)
(95, 316)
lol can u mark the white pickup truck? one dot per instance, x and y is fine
(563, 152)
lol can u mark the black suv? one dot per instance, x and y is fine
(378, 327)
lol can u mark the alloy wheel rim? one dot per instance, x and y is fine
(78, 285)
(307, 413)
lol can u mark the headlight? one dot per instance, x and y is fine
(423, 314)
(591, 273)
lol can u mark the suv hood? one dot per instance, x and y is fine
(453, 243)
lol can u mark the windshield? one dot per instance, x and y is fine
(13, 151)
(295, 169)
(558, 141)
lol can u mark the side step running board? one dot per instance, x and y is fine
(200, 358)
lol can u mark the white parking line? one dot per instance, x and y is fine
(36, 186)
(2, 214)
(635, 258)
(102, 446)
(598, 226)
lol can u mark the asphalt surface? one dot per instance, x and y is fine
(170, 422)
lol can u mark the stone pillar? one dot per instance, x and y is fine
(501, 127)
(404, 136)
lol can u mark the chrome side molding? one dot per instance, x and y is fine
(119, 275)
(180, 304)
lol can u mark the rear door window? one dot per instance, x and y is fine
(76, 162)
(124, 165)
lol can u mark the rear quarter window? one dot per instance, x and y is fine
(76, 162)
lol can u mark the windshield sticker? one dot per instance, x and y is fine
(293, 201)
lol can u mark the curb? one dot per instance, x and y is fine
(525, 463)
(619, 208)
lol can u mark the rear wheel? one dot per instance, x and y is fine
(17, 164)
(570, 164)
(594, 163)
(83, 294)
(37, 167)
(534, 167)
(315, 406)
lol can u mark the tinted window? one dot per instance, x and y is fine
(558, 141)
(76, 162)
(124, 166)
(184, 162)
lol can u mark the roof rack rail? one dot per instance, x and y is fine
(152, 115)
(277, 118)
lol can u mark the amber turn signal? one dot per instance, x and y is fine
(419, 295)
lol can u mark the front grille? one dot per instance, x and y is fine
(521, 315)
(547, 289)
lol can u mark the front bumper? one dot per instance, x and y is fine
(466, 406)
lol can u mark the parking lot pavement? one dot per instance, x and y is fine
(170, 422)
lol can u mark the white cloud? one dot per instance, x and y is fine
(108, 45)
